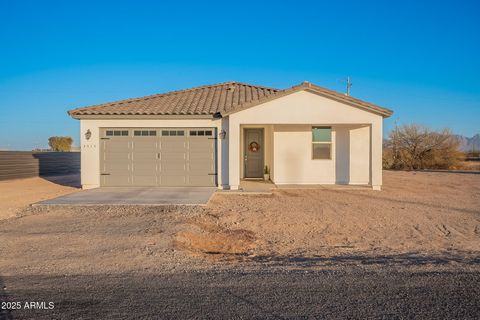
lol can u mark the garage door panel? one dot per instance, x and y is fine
(173, 172)
(177, 166)
(144, 169)
(116, 180)
(117, 167)
(147, 150)
(173, 156)
(203, 151)
(144, 144)
(116, 157)
(144, 180)
(173, 180)
(113, 159)
(173, 145)
(197, 156)
(143, 172)
(200, 167)
(144, 156)
(159, 159)
(201, 159)
(173, 148)
(200, 140)
(199, 181)
(140, 166)
(201, 145)
(120, 145)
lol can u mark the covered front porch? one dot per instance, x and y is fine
(308, 139)
(302, 155)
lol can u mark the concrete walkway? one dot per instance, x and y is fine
(136, 196)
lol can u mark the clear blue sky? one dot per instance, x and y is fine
(419, 58)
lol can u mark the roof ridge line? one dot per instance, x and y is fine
(257, 86)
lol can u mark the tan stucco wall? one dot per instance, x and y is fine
(293, 157)
(90, 156)
(349, 164)
(359, 155)
(304, 108)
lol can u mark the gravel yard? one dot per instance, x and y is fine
(416, 213)
(421, 235)
(259, 294)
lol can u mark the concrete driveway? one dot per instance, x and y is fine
(136, 196)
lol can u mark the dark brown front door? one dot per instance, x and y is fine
(254, 151)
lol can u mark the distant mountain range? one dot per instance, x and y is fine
(469, 144)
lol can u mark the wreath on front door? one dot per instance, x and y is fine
(253, 146)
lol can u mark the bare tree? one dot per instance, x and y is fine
(415, 147)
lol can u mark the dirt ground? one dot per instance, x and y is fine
(418, 218)
(420, 213)
(469, 165)
(17, 194)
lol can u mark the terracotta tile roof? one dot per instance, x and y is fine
(205, 100)
(225, 98)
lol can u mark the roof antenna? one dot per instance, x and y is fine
(349, 85)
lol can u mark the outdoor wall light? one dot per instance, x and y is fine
(88, 134)
(222, 134)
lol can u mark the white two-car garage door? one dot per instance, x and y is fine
(157, 157)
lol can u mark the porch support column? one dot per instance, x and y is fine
(234, 154)
(376, 145)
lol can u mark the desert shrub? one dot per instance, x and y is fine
(388, 156)
(62, 144)
(414, 147)
(472, 154)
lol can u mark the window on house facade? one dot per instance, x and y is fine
(144, 133)
(321, 143)
(117, 133)
(201, 133)
(173, 133)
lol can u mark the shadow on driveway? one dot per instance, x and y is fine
(235, 293)
(5, 314)
(407, 259)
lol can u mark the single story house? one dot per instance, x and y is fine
(217, 135)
